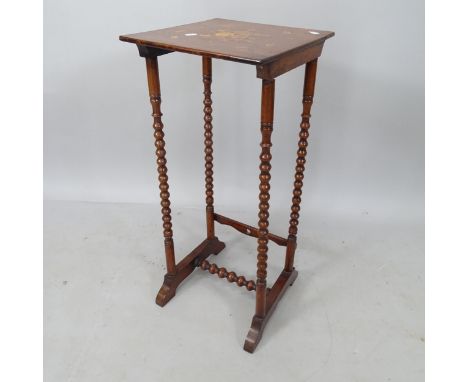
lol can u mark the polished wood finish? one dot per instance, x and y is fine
(273, 69)
(185, 267)
(248, 230)
(155, 99)
(275, 294)
(222, 272)
(307, 99)
(207, 102)
(274, 50)
(266, 128)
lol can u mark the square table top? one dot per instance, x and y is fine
(240, 41)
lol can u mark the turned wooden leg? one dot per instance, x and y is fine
(207, 102)
(307, 99)
(166, 292)
(268, 99)
(268, 299)
(176, 273)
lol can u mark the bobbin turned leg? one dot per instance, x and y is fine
(207, 102)
(167, 291)
(176, 273)
(307, 99)
(289, 274)
(268, 99)
(268, 299)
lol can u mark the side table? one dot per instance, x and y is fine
(274, 50)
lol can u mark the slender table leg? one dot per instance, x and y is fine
(268, 299)
(268, 100)
(177, 273)
(207, 102)
(307, 99)
(165, 293)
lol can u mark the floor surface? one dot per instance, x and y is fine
(355, 313)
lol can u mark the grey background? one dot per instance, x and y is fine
(356, 312)
(367, 136)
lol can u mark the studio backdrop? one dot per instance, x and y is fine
(366, 145)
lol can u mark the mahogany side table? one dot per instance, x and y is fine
(273, 50)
